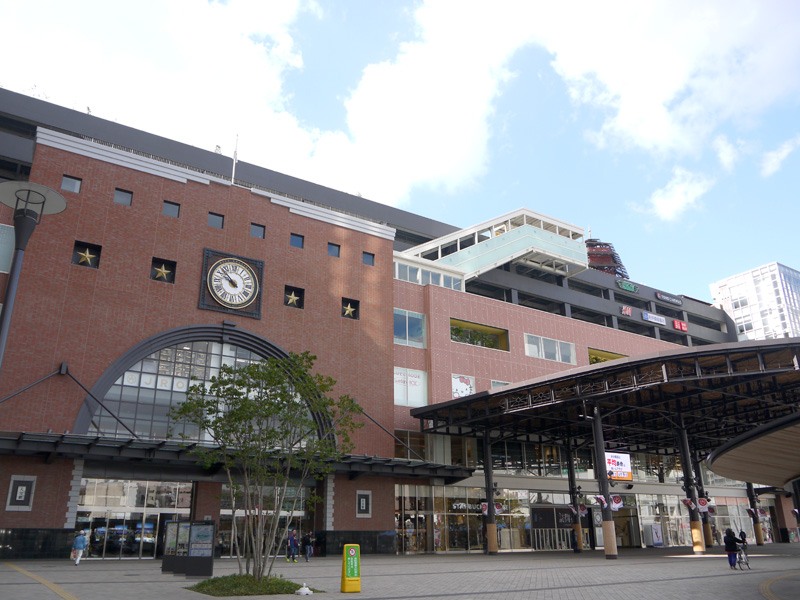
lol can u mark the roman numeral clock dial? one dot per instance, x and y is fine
(232, 283)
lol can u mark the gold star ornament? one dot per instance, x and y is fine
(292, 299)
(86, 256)
(163, 272)
(349, 310)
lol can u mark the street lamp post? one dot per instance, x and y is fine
(30, 201)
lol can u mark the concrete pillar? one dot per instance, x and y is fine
(609, 533)
(698, 537)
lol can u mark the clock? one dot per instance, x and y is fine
(233, 283)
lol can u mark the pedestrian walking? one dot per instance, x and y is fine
(79, 545)
(731, 547)
(308, 546)
(291, 546)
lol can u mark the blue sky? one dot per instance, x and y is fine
(671, 129)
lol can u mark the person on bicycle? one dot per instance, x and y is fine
(731, 547)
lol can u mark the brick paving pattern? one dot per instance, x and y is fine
(662, 574)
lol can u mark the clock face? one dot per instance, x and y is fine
(232, 283)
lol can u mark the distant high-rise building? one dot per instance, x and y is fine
(764, 302)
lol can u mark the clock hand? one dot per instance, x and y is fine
(233, 283)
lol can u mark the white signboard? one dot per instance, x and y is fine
(618, 466)
(654, 318)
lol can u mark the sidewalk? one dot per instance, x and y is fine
(673, 573)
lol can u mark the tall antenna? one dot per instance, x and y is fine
(235, 150)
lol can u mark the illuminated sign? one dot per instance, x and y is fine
(679, 325)
(626, 310)
(658, 319)
(670, 299)
(627, 286)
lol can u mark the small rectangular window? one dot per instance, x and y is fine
(409, 328)
(257, 231)
(368, 258)
(123, 197)
(215, 220)
(171, 209)
(70, 184)
(333, 250)
(296, 241)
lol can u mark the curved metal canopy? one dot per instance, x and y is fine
(769, 454)
(715, 392)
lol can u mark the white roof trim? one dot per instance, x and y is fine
(312, 211)
(122, 158)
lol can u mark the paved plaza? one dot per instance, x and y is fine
(638, 574)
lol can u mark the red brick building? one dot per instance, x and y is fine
(114, 304)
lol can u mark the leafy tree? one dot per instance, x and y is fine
(273, 427)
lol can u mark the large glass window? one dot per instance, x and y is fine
(410, 387)
(144, 394)
(542, 347)
(409, 328)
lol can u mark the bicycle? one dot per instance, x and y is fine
(742, 559)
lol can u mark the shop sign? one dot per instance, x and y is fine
(669, 299)
(627, 286)
(658, 319)
(679, 325)
(618, 466)
(626, 311)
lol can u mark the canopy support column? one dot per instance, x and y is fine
(609, 533)
(491, 522)
(757, 531)
(573, 498)
(698, 541)
(701, 492)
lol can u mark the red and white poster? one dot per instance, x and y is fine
(583, 510)
(702, 505)
(616, 502)
(618, 466)
(498, 508)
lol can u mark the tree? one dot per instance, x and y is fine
(273, 427)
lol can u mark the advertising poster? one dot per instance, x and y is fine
(183, 539)
(658, 535)
(171, 539)
(618, 466)
(201, 539)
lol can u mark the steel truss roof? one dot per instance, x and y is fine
(716, 392)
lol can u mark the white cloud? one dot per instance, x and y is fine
(667, 73)
(663, 74)
(772, 161)
(727, 153)
(681, 193)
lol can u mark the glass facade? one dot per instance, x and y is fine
(146, 392)
(764, 302)
(451, 519)
(125, 519)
